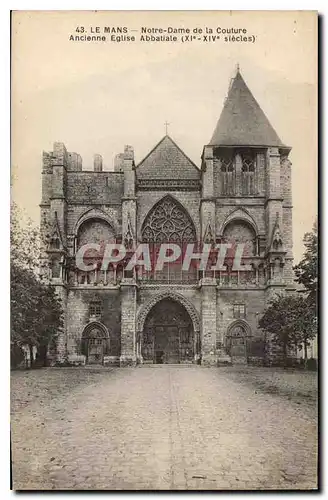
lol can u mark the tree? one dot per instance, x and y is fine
(23, 301)
(305, 324)
(307, 270)
(36, 313)
(24, 240)
(289, 322)
(50, 318)
(306, 273)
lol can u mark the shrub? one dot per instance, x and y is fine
(312, 364)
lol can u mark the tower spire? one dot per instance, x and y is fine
(242, 121)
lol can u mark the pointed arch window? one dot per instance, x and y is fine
(228, 177)
(168, 222)
(248, 173)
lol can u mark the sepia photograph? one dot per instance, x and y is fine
(164, 251)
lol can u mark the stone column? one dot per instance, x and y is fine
(128, 322)
(287, 222)
(97, 163)
(139, 347)
(209, 310)
(207, 203)
(61, 344)
(208, 284)
(273, 204)
(274, 199)
(238, 173)
(221, 325)
(128, 286)
(129, 200)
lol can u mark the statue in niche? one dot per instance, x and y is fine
(128, 239)
(55, 238)
(208, 236)
(277, 238)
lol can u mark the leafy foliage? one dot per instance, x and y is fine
(24, 240)
(289, 321)
(36, 313)
(307, 270)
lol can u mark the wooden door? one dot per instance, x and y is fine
(95, 351)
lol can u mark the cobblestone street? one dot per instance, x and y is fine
(162, 427)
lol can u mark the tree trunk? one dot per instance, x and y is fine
(285, 355)
(305, 355)
(43, 355)
(31, 356)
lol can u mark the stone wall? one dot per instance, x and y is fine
(254, 301)
(78, 303)
(94, 187)
(77, 196)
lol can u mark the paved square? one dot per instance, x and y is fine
(161, 427)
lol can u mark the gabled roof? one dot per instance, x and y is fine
(167, 161)
(242, 121)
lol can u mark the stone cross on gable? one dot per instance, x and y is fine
(166, 126)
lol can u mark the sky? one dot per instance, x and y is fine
(96, 97)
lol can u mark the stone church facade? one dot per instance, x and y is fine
(240, 193)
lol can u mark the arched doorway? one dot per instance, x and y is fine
(236, 342)
(168, 335)
(95, 343)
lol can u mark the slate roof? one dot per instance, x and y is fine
(242, 121)
(167, 161)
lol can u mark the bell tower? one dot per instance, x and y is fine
(246, 197)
